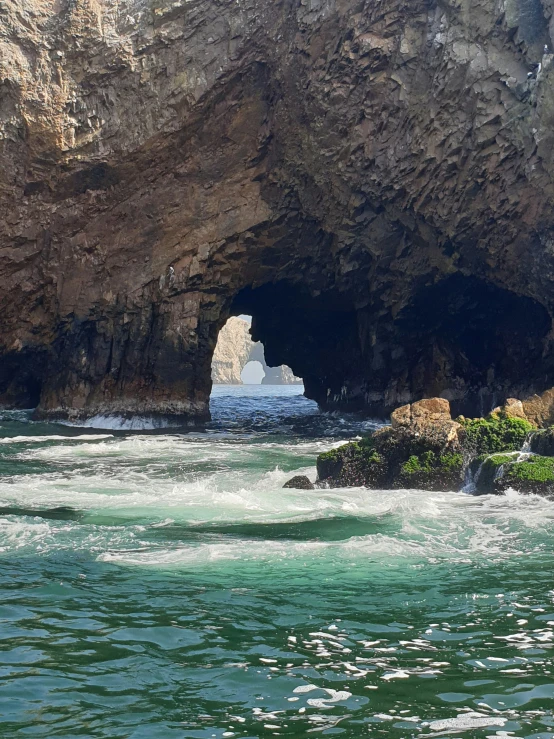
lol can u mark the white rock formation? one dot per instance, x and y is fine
(233, 351)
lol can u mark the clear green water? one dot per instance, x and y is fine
(166, 585)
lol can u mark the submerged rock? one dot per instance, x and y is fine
(300, 482)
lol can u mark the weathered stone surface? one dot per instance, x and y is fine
(522, 472)
(542, 442)
(380, 175)
(422, 413)
(512, 408)
(233, 351)
(539, 409)
(424, 448)
(299, 482)
(429, 421)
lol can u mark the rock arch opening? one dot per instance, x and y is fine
(252, 373)
(238, 359)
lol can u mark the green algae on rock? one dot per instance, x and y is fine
(354, 464)
(425, 448)
(432, 471)
(526, 473)
(486, 470)
(420, 449)
(497, 432)
(533, 475)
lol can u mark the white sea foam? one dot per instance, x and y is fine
(52, 437)
(121, 423)
(465, 721)
(198, 480)
(17, 534)
(442, 536)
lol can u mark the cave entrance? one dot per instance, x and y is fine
(240, 360)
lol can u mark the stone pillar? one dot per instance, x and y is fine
(153, 364)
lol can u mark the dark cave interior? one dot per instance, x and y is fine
(461, 338)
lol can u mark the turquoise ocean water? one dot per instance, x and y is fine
(164, 585)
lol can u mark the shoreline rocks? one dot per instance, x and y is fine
(425, 448)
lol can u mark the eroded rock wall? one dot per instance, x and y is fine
(381, 169)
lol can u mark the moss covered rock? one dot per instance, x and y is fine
(493, 434)
(432, 471)
(533, 475)
(354, 464)
(425, 448)
(527, 473)
(487, 468)
(420, 449)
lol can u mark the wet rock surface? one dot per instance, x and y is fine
(299, 482)
(378, 175)
(420, 449)
(424, 448)
(523, 472)
(542, 442)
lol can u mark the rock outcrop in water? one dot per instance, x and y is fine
(425, 448)
(299, 482)
(233, 351)
(377, 174)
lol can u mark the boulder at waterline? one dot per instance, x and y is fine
(487, 467)
(527, 473)
(542, 442)
(300, 482)
(423, 448)
(420, 449)
(354, 464)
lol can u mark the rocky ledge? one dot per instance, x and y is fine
(425, 448)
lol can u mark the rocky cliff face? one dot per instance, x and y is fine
(377, 172)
